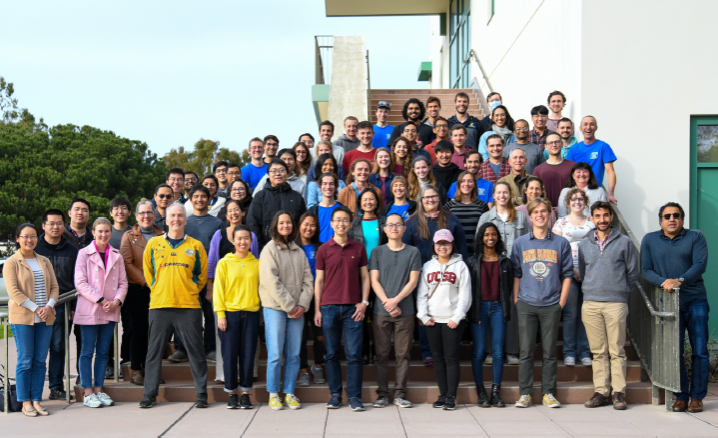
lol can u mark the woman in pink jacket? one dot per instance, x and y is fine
(101, 284)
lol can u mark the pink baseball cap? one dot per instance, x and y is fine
(443, 235)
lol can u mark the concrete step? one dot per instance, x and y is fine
(417, 372)
(417, 392)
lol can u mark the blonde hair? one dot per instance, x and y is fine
(101, 221)
(536, 202)
(414, 185)
(510, 205)
(376, 169)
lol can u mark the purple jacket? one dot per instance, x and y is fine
(220, 245)
(94, 281)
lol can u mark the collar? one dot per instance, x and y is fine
(681, 234)
(549, 235)
(333, 242)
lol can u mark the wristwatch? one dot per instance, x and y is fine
(682, 280)
(366, 303)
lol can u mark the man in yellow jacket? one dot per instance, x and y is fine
(175, 267)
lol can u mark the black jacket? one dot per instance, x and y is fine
(78, 242)
(357, 233)
(426, 133)
(446, 176)
(63, 259)
(267, 203)
(506, 284)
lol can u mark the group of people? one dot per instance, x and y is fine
(436, 227)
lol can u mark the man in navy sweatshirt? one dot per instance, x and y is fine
(675, 257)
(608, 268)
(543, 267)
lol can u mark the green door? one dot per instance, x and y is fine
(704, 201)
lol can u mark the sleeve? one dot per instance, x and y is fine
(566, 260)
(254, 247)
(395, 134)
(464, 303)
(254, 216)
(601, 195)
(260, 185)
(422, 303)
(581, 260)
(490, 188)
(319, 260)
(647, 268)
(570, 154)
(219, 289)
(148, 263)
(199, 273)
(373, 259)
(482, 146)
(415, 260)
(54, 293)
(347, 161)
(561, 203)
(631, 264)
(312, 194)
(305, 298)
(608, 155)
(699, 259)
(122, 284)
(363, 261)
(269, 278)
(213, 256)
(135, 273)
(516, 259)
(82, 283)
(557, 228)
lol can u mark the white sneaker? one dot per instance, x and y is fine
(489, 360)
(569, 361)
(105, 399)
(92, 401)
(512, 359)
(586, 361)
(523, 402)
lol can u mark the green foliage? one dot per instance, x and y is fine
(204, 155)
(10, 111)
(41, 169)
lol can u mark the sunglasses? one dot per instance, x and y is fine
(165, 196)
(667, 216)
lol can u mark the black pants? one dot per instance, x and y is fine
(125, 341)
(318, 348)
(210, 341)
(445, 344)
(137, 305)
(239, 345)
(188, 324)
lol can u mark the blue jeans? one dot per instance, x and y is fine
(575, 341)
(32, 343)
(283, 334)
(424, 343)
(492, 320)
(337, 321)
(694, 318)
(96, 340)
(56, 365)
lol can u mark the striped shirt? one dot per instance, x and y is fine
(40, 293)
(468, 215)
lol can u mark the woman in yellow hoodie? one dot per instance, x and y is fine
(236, 302)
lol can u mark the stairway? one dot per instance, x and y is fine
(397, 99)
(574, 383)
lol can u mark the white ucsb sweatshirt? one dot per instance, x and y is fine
(452, 298)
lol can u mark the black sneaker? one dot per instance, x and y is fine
(233, 402)
(201, 402)
(58, 394)
(148, 402)
(450, 404)
(245, 403)
(440, 402)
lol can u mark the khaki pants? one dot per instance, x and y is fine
(605, 324)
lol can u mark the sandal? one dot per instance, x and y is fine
(29, 412)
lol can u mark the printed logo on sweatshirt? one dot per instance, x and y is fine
(189, 252)
(448, 277)
(540, 261)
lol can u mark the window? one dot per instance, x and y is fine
(460, 43)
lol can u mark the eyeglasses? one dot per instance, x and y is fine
(190, 180)
(28, 237)
(394, 226)
(430, 197)
(667, 216)
(525, 128)
(234, 173)
(165, 196)
(279, 171)
(442, 126)
(271, 144)
(175, 180)
(120, 208)
(443, 244)
(220, 170)
(341, 221)
(551, 143)
(54, 224)
(146, 213)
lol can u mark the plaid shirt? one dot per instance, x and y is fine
(535, 137)
(487, 173)
(602, 243)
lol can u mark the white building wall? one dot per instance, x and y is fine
(348, 91)
(646, 68)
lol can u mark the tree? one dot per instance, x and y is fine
(10, 111)
(204, 155)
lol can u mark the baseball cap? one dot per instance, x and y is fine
(383, 104)
(443, 235)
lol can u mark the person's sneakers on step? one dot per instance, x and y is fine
(569, 361)
(292, 402)
(550, 401)
(105, 399)
(201, 402)
(619, 401)
(380, 402)
(428, 361)
(245, 402)
(356, 404)
(303, 379)
(512, 359)
(403, 403)
(58, 394)
(450, 404)
(524, 401)
(586, 361)
(91, 401)
(318, 374)
(334, 402)
(275, 402)
(489, 360)
(233, 402)
(178, 357)
(212, 357)
(597, 400)
(148, 402)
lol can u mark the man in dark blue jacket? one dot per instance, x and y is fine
(675, 257)
(63, 255)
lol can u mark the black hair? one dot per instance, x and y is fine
(241, 227)
(444, 145)
(509, 119)
(162, 186)
(670, 204)
(342, 209)
(274, 229)
(193, 173)
(174, 170)
(287, 151)
(307, 135)
(598, 205)
(314, 241)
(471, 152)
(377, 209)
(19, 229)
(320, 163)
(422, 108)
(198, 188)
(217, 164)
(479, 241)
(592, 181)
(365, 125)
(120, 201)
(76, 200)
(53, 212)
(271, 137)
(397, 215)
(539, 109)
(278, 162)
(326, 123)
(231, 165)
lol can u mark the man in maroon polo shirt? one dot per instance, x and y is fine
(341, 295)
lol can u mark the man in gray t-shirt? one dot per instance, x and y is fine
(394, 269)
(533, 152)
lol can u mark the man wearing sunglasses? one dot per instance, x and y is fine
(163, 198)
(676, 258)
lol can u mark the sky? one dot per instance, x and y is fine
(172, 72)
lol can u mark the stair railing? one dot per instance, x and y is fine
(653, 328)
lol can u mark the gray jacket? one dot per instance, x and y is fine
(346, 144)
(509, 231)
(609, 276)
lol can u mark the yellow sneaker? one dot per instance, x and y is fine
(524, 401)
(292, 402)
(275, 402)
(550, 401)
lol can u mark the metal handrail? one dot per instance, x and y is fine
(650, 305)
(481, 68)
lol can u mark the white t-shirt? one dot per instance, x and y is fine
(573, 233)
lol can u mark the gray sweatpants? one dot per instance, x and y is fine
(188, 324)
(532, 319)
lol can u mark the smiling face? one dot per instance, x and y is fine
(323, 149)
(502, 195)
(444, 157)
(190, 179)
(365, 136)
(401, 149)
(413, 111)
(79, 213)
(199, 201)
(270, 148)
(176, 181)
(307, 141)
(277, 175)
(539, 120)
(578, 203)
(383, 158)
(308, 228)
(361, 171)
(326, 132)
(102, 233)
(443, 248)
(302, 153)
(398, 189)
(565, 130)
(27, 239)
(394, 227)
(473, 163)
(554, 144)
(54, 226)
(176, 218)
(461, 104)
(341, 222)
(145, 216)
(430, 201)
(433, 109)
(284, 225)
(410, 132)
(495, 147)
(490, 237)
(458, 137)
(120, 214)
(517, 161)
(328, 187)
(421, 170)
(467, 184)
(242, 241)
(238, 192)
(221, 174)
(602, 219)
(441, 129)
(368, 203)
(350, 127)
(589, 128)
(329, 166)
(556, 103)
(539, 216)
(256, 150)
(235, 215)
(382, 114)
(581, 177)
(533, 190)
(521, 130)
(499, 117)
(163, 197)
(211, 185)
